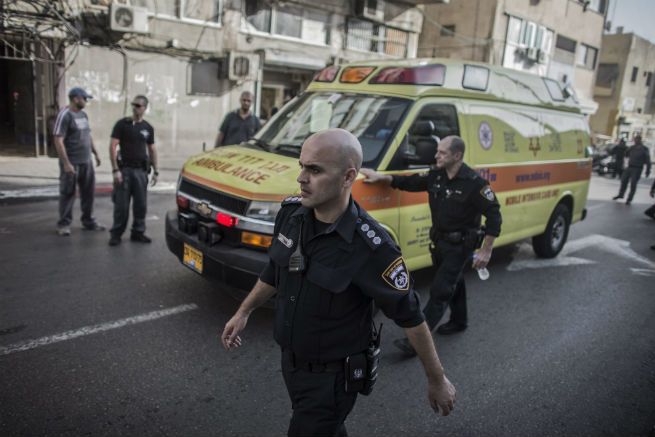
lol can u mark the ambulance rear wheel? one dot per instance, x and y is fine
(551, 242)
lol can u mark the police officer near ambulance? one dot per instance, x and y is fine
(138, 156)
(328, 262)
(458, 197)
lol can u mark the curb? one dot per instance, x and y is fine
(52, 192)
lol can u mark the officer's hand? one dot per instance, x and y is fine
(371, 175)
(233, 327)
(481, 258)
(442, 396)
(652, 193)
(153, 180)
(118, 178)
(97, 161)
(68, 168)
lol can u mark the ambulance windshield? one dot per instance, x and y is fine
(373, 119)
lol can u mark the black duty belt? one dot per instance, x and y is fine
(314, 367)
(134, 164)
(450, 237)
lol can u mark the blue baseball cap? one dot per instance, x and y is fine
(79, 92)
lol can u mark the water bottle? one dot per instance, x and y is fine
(483, 274)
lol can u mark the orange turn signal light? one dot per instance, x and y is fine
(258, 240)
(355, 74)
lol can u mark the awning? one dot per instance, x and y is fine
(293, 60)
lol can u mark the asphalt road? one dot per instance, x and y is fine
(552, 350)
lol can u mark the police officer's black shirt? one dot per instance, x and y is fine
(236, 129)
(133, 138)
(324, 313)
(638, 156)
(458, 203)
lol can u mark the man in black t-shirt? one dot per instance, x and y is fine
(240, 125)
(136, 138)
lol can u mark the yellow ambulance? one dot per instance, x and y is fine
(524, 134)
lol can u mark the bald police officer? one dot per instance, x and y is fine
(458, 197)
(329, 260)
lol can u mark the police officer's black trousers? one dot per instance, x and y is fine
(631, 174)
(135, 187)
(448, 287)
(319, 400)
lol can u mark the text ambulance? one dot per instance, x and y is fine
(524, 134)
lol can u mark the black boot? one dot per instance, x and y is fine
(450, 328)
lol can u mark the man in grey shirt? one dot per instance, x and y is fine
(74, 146)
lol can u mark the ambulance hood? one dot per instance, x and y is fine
(245, 172)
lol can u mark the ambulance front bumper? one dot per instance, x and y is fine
(236, 267)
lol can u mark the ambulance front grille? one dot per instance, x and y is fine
(219, 200)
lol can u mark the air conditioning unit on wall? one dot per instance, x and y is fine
(371, 9)
(541, 57)
(129, 19)
(242, 66)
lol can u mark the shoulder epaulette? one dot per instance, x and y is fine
(292, 200)
(371, 232)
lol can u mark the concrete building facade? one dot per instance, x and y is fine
(559, 39)
(192, 58)
(625, 87)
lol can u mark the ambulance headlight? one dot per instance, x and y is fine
(263, 210)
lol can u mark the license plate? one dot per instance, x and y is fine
(192, 258)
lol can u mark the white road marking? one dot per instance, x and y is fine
(598, 205)
(643, 272)
(525, 258)
(163, 186)
(153, 218)
(94, 329)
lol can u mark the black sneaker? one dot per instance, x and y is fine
(140, 238)
(450, 328)
(94, 227)
(404, 345)
(617, 197)
(628, 202)
(114, 240)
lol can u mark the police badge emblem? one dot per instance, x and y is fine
(396, 275)
(488, 193)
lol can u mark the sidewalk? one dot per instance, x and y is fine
(39, 177)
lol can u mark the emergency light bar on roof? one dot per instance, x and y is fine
(472, 80)
(432, 74)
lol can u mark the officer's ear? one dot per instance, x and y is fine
(351, 175)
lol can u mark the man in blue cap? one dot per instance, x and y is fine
(75, 146)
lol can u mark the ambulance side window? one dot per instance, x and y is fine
(418, 144)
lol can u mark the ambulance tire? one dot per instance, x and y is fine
(551, 242)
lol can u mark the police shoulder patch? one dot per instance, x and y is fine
(488, 193)
(397, 275)
(291, 200)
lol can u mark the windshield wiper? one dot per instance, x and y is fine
(259, 143)
(293, 148)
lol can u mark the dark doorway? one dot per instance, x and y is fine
(17, 122)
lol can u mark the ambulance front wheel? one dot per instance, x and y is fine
(551, 242)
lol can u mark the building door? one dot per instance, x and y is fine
(26, 96)
(17, 126)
